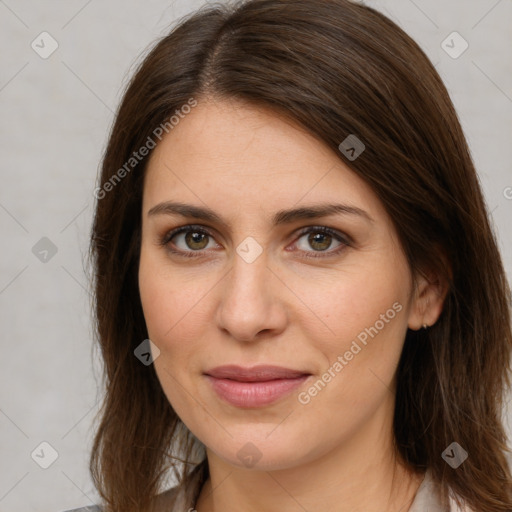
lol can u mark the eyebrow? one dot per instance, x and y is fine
(279, 218)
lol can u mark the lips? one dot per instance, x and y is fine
(254, 374)
(256, 386)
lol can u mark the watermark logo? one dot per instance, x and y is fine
(249, 249)
(352, 147)
(249, 455)
(454, 45)
(454, 455)
(44, 455)
(44, 45)
(147, 352)
(44, 250)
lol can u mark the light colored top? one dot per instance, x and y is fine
(183, 499)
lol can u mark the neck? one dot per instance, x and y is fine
(356, 476)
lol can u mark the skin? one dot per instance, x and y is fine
(336, 451)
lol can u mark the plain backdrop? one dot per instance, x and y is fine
(55, 116)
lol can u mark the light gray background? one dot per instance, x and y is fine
(55, 117)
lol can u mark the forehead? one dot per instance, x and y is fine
(227, 154)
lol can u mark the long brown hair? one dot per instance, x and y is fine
(336, 68)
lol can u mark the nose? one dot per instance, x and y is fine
(251, 304)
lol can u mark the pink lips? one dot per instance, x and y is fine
(256, 386)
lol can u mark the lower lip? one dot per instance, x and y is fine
(254, 394)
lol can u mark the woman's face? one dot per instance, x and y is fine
(259, 286)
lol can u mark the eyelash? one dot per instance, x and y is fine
(344, 239)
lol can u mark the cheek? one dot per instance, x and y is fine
(171, 311)
(366, 309)
(362, 298)
(174, 307)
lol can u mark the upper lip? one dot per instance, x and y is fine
(258, 373)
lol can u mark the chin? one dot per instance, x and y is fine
(259, 451)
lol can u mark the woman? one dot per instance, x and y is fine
(299, 297)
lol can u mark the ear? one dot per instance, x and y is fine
(430, 291)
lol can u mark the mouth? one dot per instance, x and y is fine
(254, 387)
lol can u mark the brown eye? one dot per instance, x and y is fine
(320, 239)
(196, 240)
(190, 241)
(187, 240)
